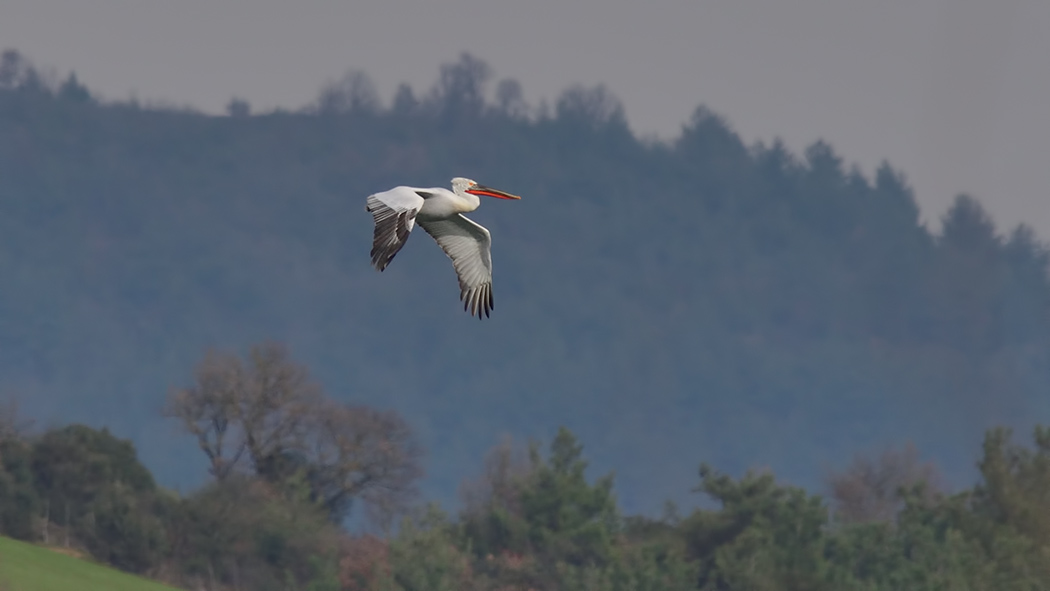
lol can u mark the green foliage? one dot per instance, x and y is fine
(1010, 507)
(95, 487)
(943, 545)
(560, 532)
(547, 527)
(1016, 483)
(241, 532)
(633, 569)
(19, 502)
(424, 556)
(550, 511)
(76, 463)
(568, 519)
(122, 529)
(764, 536)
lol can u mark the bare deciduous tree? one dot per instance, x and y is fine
(869, 489)
(256, 411)
(266, 413)
(278, 403)
(208, 410)
(367, 454)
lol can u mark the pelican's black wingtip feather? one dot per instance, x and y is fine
(478, 301)
(391, 233)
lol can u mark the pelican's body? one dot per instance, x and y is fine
(440, 212)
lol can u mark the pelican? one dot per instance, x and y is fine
(440, 212)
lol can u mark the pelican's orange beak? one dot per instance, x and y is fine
(490, 192)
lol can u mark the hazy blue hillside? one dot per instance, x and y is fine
(671, 303)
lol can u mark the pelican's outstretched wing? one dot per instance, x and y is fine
(395, 214)
(468, 245)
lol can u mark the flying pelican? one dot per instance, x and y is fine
(440, 212)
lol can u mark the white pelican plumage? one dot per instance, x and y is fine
(440, 212)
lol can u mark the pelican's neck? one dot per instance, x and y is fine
(466, 202)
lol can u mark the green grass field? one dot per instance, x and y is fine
(25, 567)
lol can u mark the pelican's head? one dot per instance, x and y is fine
(461, 185)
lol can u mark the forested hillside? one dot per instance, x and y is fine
(671, 302)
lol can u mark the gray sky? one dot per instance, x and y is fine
(954, 92)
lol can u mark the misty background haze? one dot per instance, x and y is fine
(739, 362)
(953, 92)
